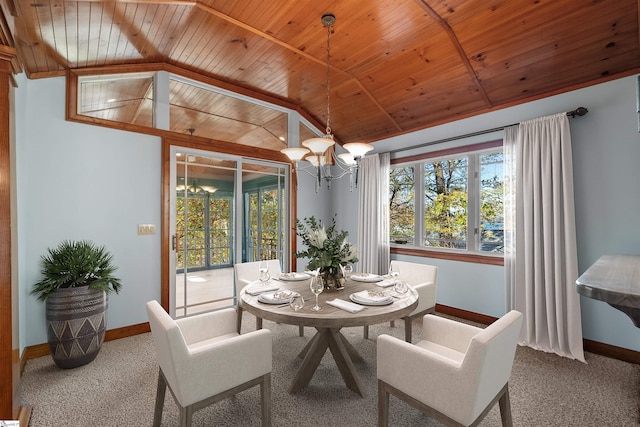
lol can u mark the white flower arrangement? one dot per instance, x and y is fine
(326, 248)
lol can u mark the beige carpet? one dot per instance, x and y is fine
(118, 389)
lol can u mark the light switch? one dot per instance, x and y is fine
(146, 229)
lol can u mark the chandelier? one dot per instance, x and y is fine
(348, 163)
(195, 188)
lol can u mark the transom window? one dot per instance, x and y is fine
(460, 207)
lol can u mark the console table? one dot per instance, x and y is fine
(614, 279)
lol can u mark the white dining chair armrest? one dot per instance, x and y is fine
(426, 296)
(241, 283)
(409, 367)
(447, 332)
(222, 365)
(208, 325)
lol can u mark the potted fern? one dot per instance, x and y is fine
(77, 276)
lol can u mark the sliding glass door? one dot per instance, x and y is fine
(264, 205)
(225, 210)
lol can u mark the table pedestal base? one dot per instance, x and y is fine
(343, 353)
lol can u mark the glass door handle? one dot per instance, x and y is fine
(174, 241)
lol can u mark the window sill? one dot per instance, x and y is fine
(452, 256)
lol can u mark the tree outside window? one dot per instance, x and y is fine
(445, 196)
(402, 205)
(462, 204)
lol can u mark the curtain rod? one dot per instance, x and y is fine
(580, 111)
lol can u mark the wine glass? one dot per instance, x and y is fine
(401, 287)
(263, 269)
(346, 270)
(394, 272)
(317, 287)
(297, 302)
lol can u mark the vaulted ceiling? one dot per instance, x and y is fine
(396, 65)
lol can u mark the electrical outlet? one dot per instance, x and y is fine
(146, 229)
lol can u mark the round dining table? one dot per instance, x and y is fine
(328, 323)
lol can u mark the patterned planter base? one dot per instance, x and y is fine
(76, 324)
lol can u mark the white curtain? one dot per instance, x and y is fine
(541, 264)
(373, 212)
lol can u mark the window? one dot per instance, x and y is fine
(461, 202)
(491, 202)
(445, 203)
(401, 204)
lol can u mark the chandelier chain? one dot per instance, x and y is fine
(321, 159)
(328, 130)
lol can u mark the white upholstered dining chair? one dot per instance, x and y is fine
(204, 360)
(423, 278)
(247, 272)
(455, 374)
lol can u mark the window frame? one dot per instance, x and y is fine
(472, 252)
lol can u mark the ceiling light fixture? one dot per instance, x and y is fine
(349, 163)
(195, 188)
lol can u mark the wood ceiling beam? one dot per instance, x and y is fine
(456, 43)
(33, 38)
(139, 41)
(297, 51)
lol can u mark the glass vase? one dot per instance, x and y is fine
(333, 278)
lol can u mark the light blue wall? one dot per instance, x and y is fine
(478, 288)
(606, 153)
(311, 203)
(85, 182)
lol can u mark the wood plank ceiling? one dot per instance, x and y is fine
(396, 65)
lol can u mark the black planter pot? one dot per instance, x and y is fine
(76, 324)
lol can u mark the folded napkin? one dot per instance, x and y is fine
(366, 296)
(385, 283)
(346, 305)
(256, 289)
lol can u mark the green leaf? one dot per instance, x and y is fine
(74, 264)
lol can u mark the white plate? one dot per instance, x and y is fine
(354, 298)
(278, 297)
(293, 277)
(366, 277)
